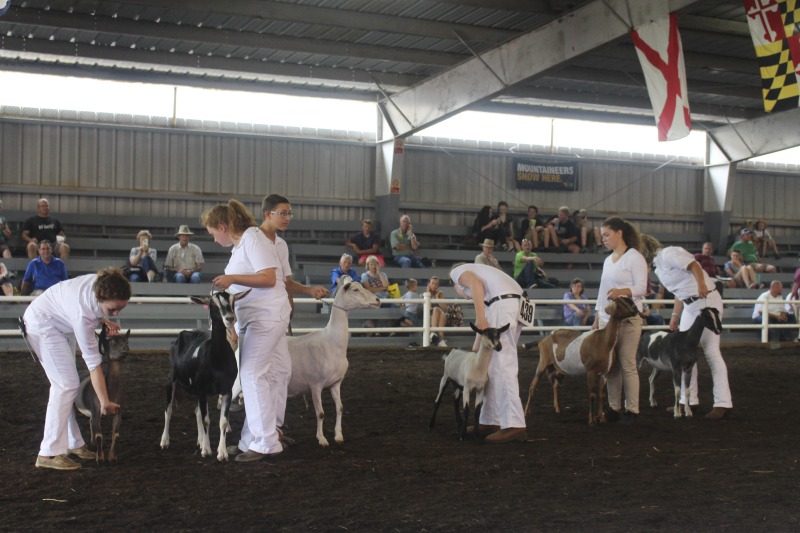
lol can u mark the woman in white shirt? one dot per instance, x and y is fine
(624, 274)
(261, 320)
(65, 316)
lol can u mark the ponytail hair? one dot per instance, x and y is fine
(629, 232)
(234, 215)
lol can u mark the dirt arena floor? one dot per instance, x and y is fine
(392, 474)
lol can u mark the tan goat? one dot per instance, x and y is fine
(577, 353)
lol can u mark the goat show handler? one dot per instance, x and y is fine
(65, 315)
(694, 290)
(262, 318)
(496, 298)
(624, 274)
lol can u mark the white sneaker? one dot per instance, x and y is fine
(442, 344)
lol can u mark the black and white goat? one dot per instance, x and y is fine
(203, 363)
(577, 353)
(114, 349)
(676, 351)
(319, 359)
(469, 371)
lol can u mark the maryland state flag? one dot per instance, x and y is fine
(658, 45)
(776, 36)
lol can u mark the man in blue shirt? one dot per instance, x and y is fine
(345, 268)
(43, 272)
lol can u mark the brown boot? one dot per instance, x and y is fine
(718, 413)
(508, 435)
(484, 430)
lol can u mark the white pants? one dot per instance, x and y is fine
(501, 403)
(56, 352)
(710, 343)
(264, 361)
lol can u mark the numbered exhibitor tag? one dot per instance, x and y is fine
(526, 311)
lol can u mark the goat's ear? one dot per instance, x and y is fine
(501, 330)
(128, 334)
(240, 295)
(474, 328)
(199, 301)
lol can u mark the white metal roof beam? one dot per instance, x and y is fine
(760, 136)
(576, 33)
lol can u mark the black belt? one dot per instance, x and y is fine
(487, 303)
(693, 299)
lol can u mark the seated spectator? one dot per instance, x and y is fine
(651, 317)
(345, 268)
(561, 233)
(526, 265)
(412, 312)
(143, 258)
(438, 313)
(507, 227)
(741, 274)
(587, 233)
(5, 281)
(706, 260)
(365, 243)
(5, 235)
(576, 314)
(486, 257)
(373, 279)
(44, 227)
(486, 226)
(749, 252)
(763, 240)
(532, 227)
(43, 272)
(184, 259)
(404, 245)
(772, 303)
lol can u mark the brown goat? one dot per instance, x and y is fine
(577, 353)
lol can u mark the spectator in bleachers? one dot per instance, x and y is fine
(741, 274)
(345, 268)
(41, 227)
(588, 235)
(486, 257)
(5, 235)
(749, 252)
(772, 302)
(532, 227)
(438, 313)
(507, 227)
(762, 239)
(706, 260)
(795, 285)
(486, 226)
(373, 279)
(412, 312)
(43, 272)
(561, 233)
(184, 259)
(576, 314)
(5, 281)
(143, 258)
(527, 265)
(405, 244)
(365, 243)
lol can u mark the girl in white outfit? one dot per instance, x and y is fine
(65, 315)
(678, 271)
(262, 318)
(624, 274)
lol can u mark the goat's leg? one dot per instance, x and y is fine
(337, 401)
(591, 382)
(168, 415)
(601, 398)
(316, 397)
(652, 380)
(457, 404)
(532, 389)
(437, 401)
(686, 375)
(676, 385)
(224, 428)
(203, 426)
(112, 454)
(462, 430)
(555, 381)
(476, 428)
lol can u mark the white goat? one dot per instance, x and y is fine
(575, 353)
(469, 371)
(319, 359)
(676, 351)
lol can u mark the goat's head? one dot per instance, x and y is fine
(352, 295)
(490, 337)
(113, 347)
(221, 305)
(622, 308)
(711, 320)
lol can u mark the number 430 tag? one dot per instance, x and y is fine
(526, 311)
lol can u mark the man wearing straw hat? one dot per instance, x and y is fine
(184, 259)
(486, 257)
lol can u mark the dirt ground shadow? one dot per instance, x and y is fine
(392, 474)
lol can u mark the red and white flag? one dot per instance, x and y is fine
(658, 45)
